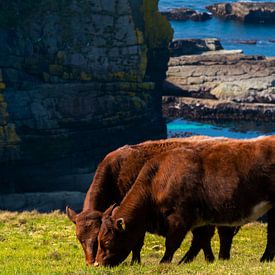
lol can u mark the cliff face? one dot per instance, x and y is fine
(77, 79)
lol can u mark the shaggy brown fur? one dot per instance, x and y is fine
(114, 177)
(221, 183)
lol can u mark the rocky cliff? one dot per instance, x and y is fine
(77, 79)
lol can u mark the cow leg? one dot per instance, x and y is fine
(201, 240)
(269, 253)
(226, 235)
(172, 243)
(174, 237)
(206, 243)
(136, 251)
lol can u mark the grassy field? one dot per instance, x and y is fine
(32, 243)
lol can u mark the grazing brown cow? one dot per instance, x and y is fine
(225, 183)
(114, 177)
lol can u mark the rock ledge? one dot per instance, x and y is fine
(238, 87)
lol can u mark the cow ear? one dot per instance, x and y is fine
(109, 211)
(120, 224)
(71, 214)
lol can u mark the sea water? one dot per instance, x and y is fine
(183, 128)
(228, 31)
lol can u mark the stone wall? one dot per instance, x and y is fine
(77, 79)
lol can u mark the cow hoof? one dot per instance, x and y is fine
(267, 258)
(165, 261)
(210, 259)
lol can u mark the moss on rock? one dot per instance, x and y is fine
(2, 86)
(83, 66)
(157, 30)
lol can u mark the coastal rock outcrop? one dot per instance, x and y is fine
(263, 13)
(222, 86)
(183, 14)
(77, 79)
(211, 110)
(194, 46)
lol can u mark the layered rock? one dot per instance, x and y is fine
(239, 86)
(78, 79)
(183, 14)
(263, 13)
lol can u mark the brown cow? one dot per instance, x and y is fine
(113, 179)
(224, 183)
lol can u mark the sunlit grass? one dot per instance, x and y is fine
(32, 243)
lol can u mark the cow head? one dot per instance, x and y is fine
(87, 228)
(114, 242)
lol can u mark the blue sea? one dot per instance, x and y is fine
(227, 31)
(183, 128)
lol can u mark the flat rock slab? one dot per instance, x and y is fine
(235, 77)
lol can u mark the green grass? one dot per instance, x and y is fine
(32, 243)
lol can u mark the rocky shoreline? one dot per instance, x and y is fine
(262, 13)
(247, 12)
(220, 85)
(211, 83)
(214, 110)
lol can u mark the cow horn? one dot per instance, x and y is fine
(109, 211)
(71, 214)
